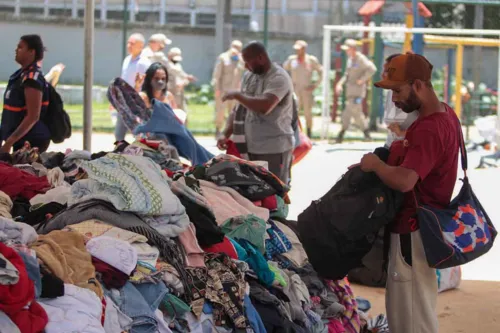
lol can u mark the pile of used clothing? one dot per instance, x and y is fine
(134, 241)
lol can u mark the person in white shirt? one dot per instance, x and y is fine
(397, 120)
(133, 69)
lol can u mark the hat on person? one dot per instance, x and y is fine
(406, 68)
(176, 54)
(348, 43)
(160, 38)
(300, 44)
(236, 44)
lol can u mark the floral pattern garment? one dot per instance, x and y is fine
(250, 180)
(350, 317)
(226, 290)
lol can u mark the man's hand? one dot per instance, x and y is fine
(370, 162)
(394, 127)
(338, 89)
(139, 80)
(217, 93)
(192, 78)
(5, 148)
(222, 143)
(360, 82)
(231, 95)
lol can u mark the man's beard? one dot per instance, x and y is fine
(411, 104)
(259, 70)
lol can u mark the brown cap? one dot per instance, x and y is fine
(404, 69)
(300, 44)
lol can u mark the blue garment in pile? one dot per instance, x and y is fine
(164, 124)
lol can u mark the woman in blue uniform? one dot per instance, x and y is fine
(25, 100)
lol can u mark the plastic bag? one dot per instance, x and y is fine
(449, 278)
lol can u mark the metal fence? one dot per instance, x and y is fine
(181, 12)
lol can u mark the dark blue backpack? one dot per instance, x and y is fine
(459, 233)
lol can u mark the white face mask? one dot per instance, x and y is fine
(158, 84)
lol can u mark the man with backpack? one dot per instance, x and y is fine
(424, 168)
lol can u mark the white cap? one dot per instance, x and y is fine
(160, 38)
(349, 43)
(236, 44)
(175, 53)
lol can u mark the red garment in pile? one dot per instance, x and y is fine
(150, 144)
(231, 149)
(18, 300)
(15, 182)
(270, 203)
(223, 247)
(111, 277)
(335, 326)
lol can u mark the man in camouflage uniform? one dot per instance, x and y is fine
(177, 78)
(358, 73)
(226, 77)
(301, 66)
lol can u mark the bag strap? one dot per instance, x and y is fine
(463, 151)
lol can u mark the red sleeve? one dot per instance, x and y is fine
(423, 152)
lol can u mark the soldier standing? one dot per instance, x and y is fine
(226, 77)
(179, 79)
(301, 67)
(359, 71)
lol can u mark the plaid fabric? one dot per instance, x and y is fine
(239, 131)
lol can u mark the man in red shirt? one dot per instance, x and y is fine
(424, 167)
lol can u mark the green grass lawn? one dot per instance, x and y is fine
(200, 118)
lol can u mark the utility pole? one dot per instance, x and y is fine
(418, 22)
(219, 27)
(266, 21)
(88, 75)
(478, 24)
(125, 23)
(223, 26)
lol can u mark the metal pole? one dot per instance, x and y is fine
(219, 27)
(459, 72)
(378, 61)
(498, 88)
(266, 23)
(327, 39)
(228, 25)
(125, 23)
(17, 8)
(451, 71)
(478, 64)
(163, 5)
(74, 9)
(418, 39)
(46, 8)
(497, 132)
(88, 74)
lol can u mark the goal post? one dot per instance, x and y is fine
(329, 30)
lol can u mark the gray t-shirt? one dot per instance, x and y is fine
(271, 133)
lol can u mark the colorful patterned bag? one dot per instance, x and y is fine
(459, 233)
